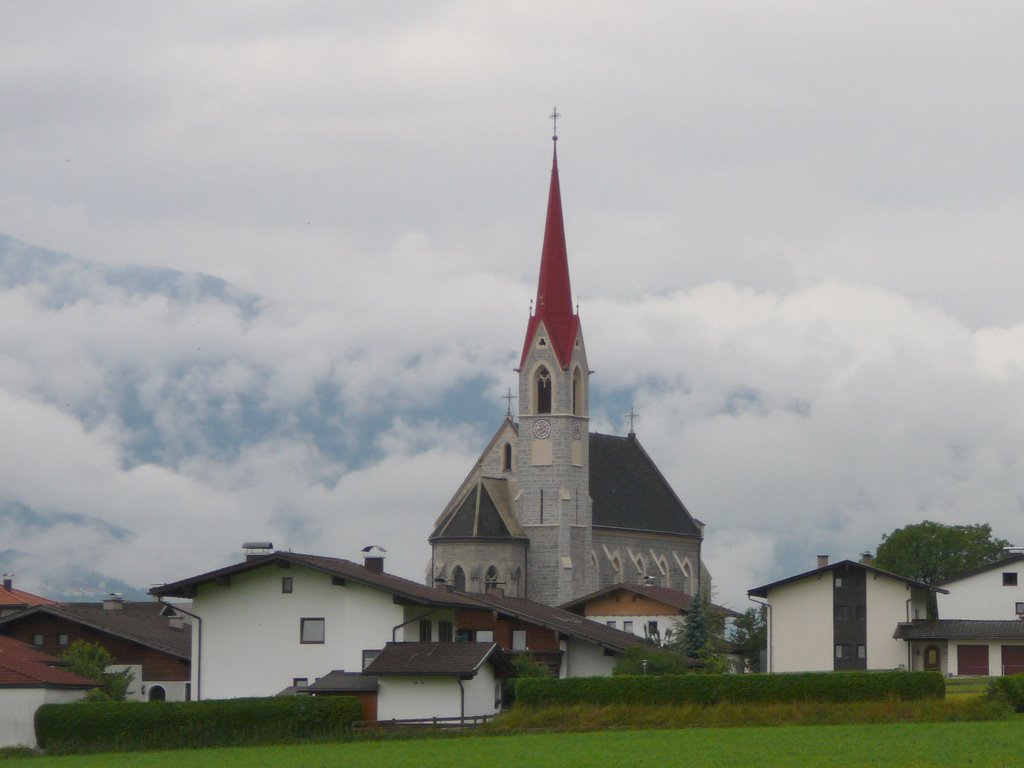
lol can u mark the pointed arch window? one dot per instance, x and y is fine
(687, 578)
(459, 578)
(577, 392)
(543, 383)
(491, 577)
(506, 457)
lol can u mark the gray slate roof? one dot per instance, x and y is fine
(141, 622)
(339, 681)
(1016, 557)
(674, 598)
(404, 589)
(562, 621)
(438, 659)
(483, 512)
(842, 565)
(629, 491)
(961, 629)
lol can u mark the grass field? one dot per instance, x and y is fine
(908, 745)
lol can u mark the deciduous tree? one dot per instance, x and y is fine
(932, 552)
(91, 660)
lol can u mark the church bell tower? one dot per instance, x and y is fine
(552, 502)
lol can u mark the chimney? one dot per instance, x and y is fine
(9, 582)
(494, 590)
(866, 558)
(373, 558)
(113, 602)
(822, 561)
(254, 549)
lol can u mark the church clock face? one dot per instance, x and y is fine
(541, 429)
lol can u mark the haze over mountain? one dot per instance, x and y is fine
(156, 419)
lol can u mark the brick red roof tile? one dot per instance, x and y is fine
(15, 598)
(22, 666)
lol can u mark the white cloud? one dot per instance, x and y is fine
(794, 231)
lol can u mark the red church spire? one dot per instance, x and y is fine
(554, 294)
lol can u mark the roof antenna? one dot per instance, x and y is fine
(554, 123)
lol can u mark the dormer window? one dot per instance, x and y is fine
(543, 384)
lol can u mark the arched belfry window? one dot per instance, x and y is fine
(543, 390)
(459, 578)
(577, 392)
(491, 577)
(506, 457)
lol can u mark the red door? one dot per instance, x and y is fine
(1013, 659)
(972, 659)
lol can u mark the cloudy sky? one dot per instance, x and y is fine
(794, 231)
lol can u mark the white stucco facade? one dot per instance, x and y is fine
(141, 689)
(583, 659)
(814, 617)
(800, 626)
(889, 602)
(248, 641)
(637, 625)
(984, 595)
(18, 710)
(407, 698)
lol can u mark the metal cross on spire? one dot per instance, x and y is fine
(554, 123)
(509, 398)
(632, 416)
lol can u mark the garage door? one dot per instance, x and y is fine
(972, 659)
(1013, 659)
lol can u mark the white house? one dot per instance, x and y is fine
(570, 645)
(422, 680)
(980, 629)
(646, 611)
(992, 592)
(28, 680)
(841, 616)
(283, 619)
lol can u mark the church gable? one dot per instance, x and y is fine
(629, 492)
(483, 512)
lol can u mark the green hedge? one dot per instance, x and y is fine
(1009, 689)
(110, 726)
(713, 689)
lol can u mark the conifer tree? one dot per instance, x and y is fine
(694, 640)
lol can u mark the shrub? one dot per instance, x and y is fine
(660, 661)
(525, 666)
(131, 726)
(91, 660)
(1008, 689)
(706, 690)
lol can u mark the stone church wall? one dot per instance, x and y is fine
(476, 556)
(663, 557)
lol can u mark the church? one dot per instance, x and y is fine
(551, 511)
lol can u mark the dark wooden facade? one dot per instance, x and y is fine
(156, 665)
